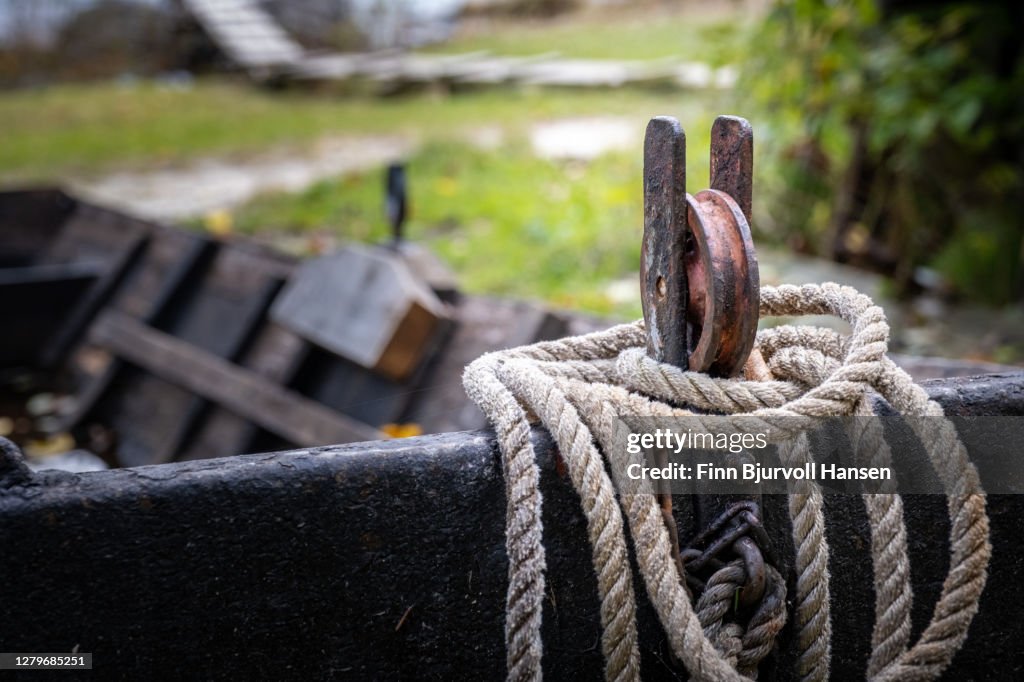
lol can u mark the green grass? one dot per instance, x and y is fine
(508, 223)
(78, 130)
(615, 35)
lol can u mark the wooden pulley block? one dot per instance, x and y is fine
(698, 271)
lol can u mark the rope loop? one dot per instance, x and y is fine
(579, 387)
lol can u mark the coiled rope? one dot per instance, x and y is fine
(578, 388)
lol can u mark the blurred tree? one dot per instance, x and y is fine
(43, 40)
(114, 37)
(905, 123)
(27, 29)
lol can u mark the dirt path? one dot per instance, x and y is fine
(222, 183)
(219, 183)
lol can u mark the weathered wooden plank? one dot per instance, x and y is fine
(494, 70)
(118, 396)
(414, 68)
(328, 67)
(218, 312)
(378, 325)
(47, 228)
(107, 239)
(172, 258)
(483, 324)
(275, 354)
(216, 309)
(349, 388)
(245, 32)
(364, 304)
(91, 234)
(483, 69)
(194, 417)
(240, 390)
(386, 560)
(215, 298)
(594, 72)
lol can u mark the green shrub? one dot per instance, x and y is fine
(897, 137)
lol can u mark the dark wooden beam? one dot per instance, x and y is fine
(386, 560)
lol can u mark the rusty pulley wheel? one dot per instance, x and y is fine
(723, 282)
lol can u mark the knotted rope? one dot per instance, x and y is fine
(578, 387)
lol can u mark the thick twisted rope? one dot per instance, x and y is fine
(744, 648)
(579, 388)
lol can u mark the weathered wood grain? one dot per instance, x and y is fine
(238, 389)
(275, 354)
(108, 240)
(219, 312)
(364, 304)
(124, 397)
(483, 324)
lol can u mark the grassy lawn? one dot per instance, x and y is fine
(79, 130)
(508, 223)
(613, 33)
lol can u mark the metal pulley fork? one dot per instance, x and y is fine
(700, 290)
